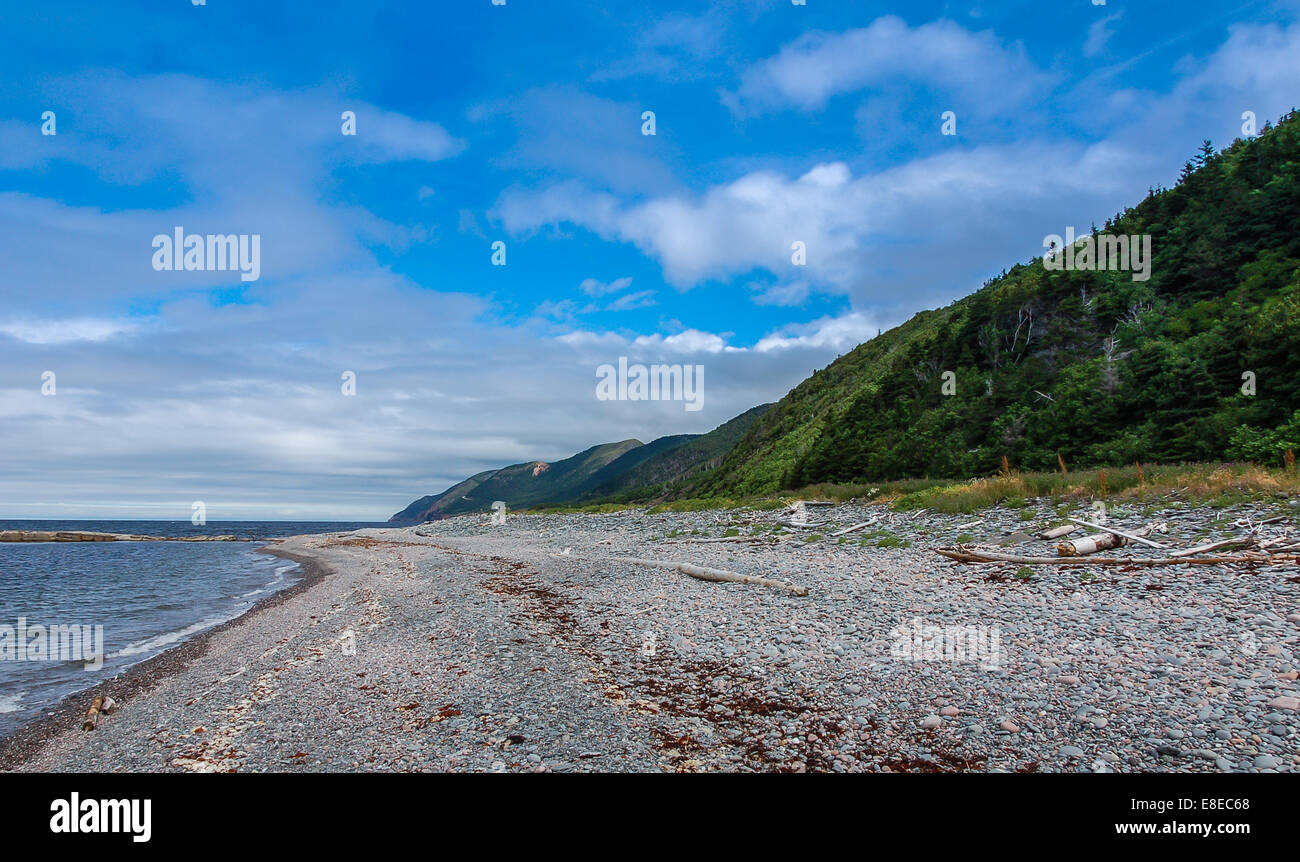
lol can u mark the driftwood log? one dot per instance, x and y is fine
(1090, 544)
(1104, 541)
(714, 541)
(705, 573)
(1057, 532)
(1138, 536)
(92, 715)
(967, 556)
(1212, 546)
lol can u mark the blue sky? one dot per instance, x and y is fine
(523, 124)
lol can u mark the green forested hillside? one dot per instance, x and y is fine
(671, 467)
(1094, 366)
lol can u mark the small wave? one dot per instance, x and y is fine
(277, 582)
(167, 638)
(11, 702)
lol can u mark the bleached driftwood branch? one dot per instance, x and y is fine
(1132, 537)
(705, 573)
(1212, 546)
(853, 529)
(1057, 532)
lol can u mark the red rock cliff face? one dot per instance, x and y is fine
(540, 467)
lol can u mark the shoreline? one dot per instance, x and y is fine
(564, 643)
(67, 714)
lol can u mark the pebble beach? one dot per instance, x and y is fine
(538, 645)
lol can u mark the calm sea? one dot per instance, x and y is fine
(146, 596)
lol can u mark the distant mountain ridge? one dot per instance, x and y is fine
(628, 467)
(518, 485)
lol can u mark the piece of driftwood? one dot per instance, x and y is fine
(1091, 544)
(968, 556)
(1212, 546)
(1057, 532)
(705, 573)
(1247, 522)
(1138, 536)
(92, 715)
(852, 529)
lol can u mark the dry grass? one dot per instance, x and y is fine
(1211, 483)
(1215, 484)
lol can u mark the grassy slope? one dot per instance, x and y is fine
(775, 443)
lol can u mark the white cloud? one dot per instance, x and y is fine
(928, 230)
(674, 48)
(685, 342)
(385, 136)
(227, 179)
(840, 334)
(631, 301)
(1099, 34)
(577, 134)
(593, 287)
(583, 339)
(62, 331)
(876, 237)
(688, 341)
(793, 293)
(944, 55)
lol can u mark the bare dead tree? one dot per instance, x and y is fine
(1133, 317)
(1025, 326)
(1110, 350)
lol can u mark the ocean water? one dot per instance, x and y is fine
(146, 596)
